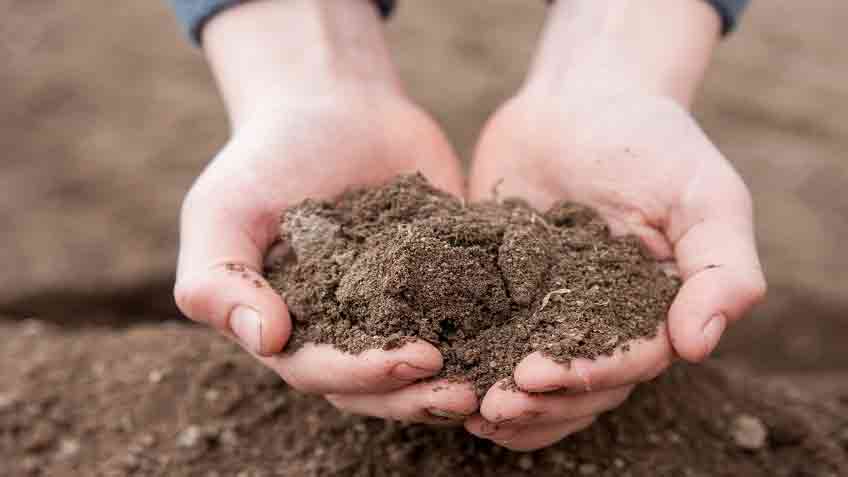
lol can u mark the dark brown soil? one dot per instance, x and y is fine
(486, 283)
(179, 401)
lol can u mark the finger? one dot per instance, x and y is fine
(637, 361)
(528, 438)
(717, 258)
(438, 402)
(517, 408)
(706, 303)
(218, 280)
(322, 369)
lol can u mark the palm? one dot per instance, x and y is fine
(634, 162)
(319, 151)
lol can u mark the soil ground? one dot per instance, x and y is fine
(108, 115)
(179, 401)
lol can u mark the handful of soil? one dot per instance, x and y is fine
(487, 284)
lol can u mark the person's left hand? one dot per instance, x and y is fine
(644, 164)
(603, 120)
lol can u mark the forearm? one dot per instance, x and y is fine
(264, 51)
(611, 47)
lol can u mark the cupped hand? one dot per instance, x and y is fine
(645, 165)
(282, 153)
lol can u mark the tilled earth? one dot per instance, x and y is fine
(179, 401)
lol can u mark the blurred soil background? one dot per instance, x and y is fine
(108, 114)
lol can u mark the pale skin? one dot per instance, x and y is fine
(316, 107)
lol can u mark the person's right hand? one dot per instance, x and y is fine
(313, 131)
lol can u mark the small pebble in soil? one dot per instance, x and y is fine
(748, 432)
(588, 469)
(526, 462)
(7, 400)
(843, 437)
(146, 440)
(229, 437)
(156, 376)
(30, 465)
(130, 462)
(189, 437)
(68, 448)
(43, 436)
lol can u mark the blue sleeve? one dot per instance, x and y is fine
(729, 11)
(193, 14)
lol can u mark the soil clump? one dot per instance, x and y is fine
(487, 283)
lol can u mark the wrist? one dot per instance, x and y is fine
(594, 48)
(265, 53)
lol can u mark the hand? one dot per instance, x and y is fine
(629, 148)
(296, 139)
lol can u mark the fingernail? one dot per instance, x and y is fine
(408, 372)
(713, 330)
(444, 414)
(247, 326)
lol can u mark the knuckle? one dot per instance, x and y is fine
(382, 372)
(376, 375)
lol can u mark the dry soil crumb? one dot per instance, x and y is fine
(486, 283)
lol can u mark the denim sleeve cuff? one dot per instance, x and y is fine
(194, 14)
(729, 11)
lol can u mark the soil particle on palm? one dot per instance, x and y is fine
(487, 284)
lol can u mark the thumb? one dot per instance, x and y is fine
(219, 280)
(717, 257)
